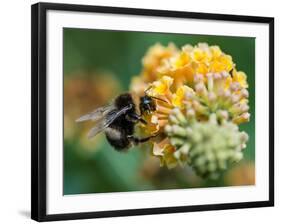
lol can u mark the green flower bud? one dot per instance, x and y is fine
(208, 147)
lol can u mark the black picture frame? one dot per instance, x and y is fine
(39, 122)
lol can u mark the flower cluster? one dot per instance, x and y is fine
(204, 99)
(206, 146)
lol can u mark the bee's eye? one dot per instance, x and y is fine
(147, 101)
(147, 104)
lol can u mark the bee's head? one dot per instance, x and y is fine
(147, 104)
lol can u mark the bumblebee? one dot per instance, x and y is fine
(118, 120)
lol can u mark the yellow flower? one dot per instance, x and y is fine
(240, 77)
(179, 96)
(243, 118)
(182, 65)
(154, 58)
(159, 119)
(165, 152)
(194, 83)
(228, 81)
(216, 52)
(199, 59)
(201, 54)
(221, 63)
(188, 48)
(162, 87)
(182, 59)
(155, 122)
(179, 68)
(201, 68)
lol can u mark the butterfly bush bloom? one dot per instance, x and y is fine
(206, 146)
(204, 100)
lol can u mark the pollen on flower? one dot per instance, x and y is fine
(202, 100)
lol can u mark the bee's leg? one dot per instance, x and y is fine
(135, 118)
(136, 140)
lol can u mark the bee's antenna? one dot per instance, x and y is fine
(154, 96)
(159, 99)
(145, 91)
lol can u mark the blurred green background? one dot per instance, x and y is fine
(98, 65)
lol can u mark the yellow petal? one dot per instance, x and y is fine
(222, 63)
(182, 60)
(241, 78)
(158, 147)
(202, 69)
(179, 96)
(198, 55)
(187, 48)
(162, 86)
(152, 125)
(228, 81)
(216, 51)
(245, 117)
(226, 60)
(169, 158)
(157, 150)
(201, 53)
(154, 57)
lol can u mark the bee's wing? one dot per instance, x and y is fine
(96, 129)
(103, 124)
(96, 114)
